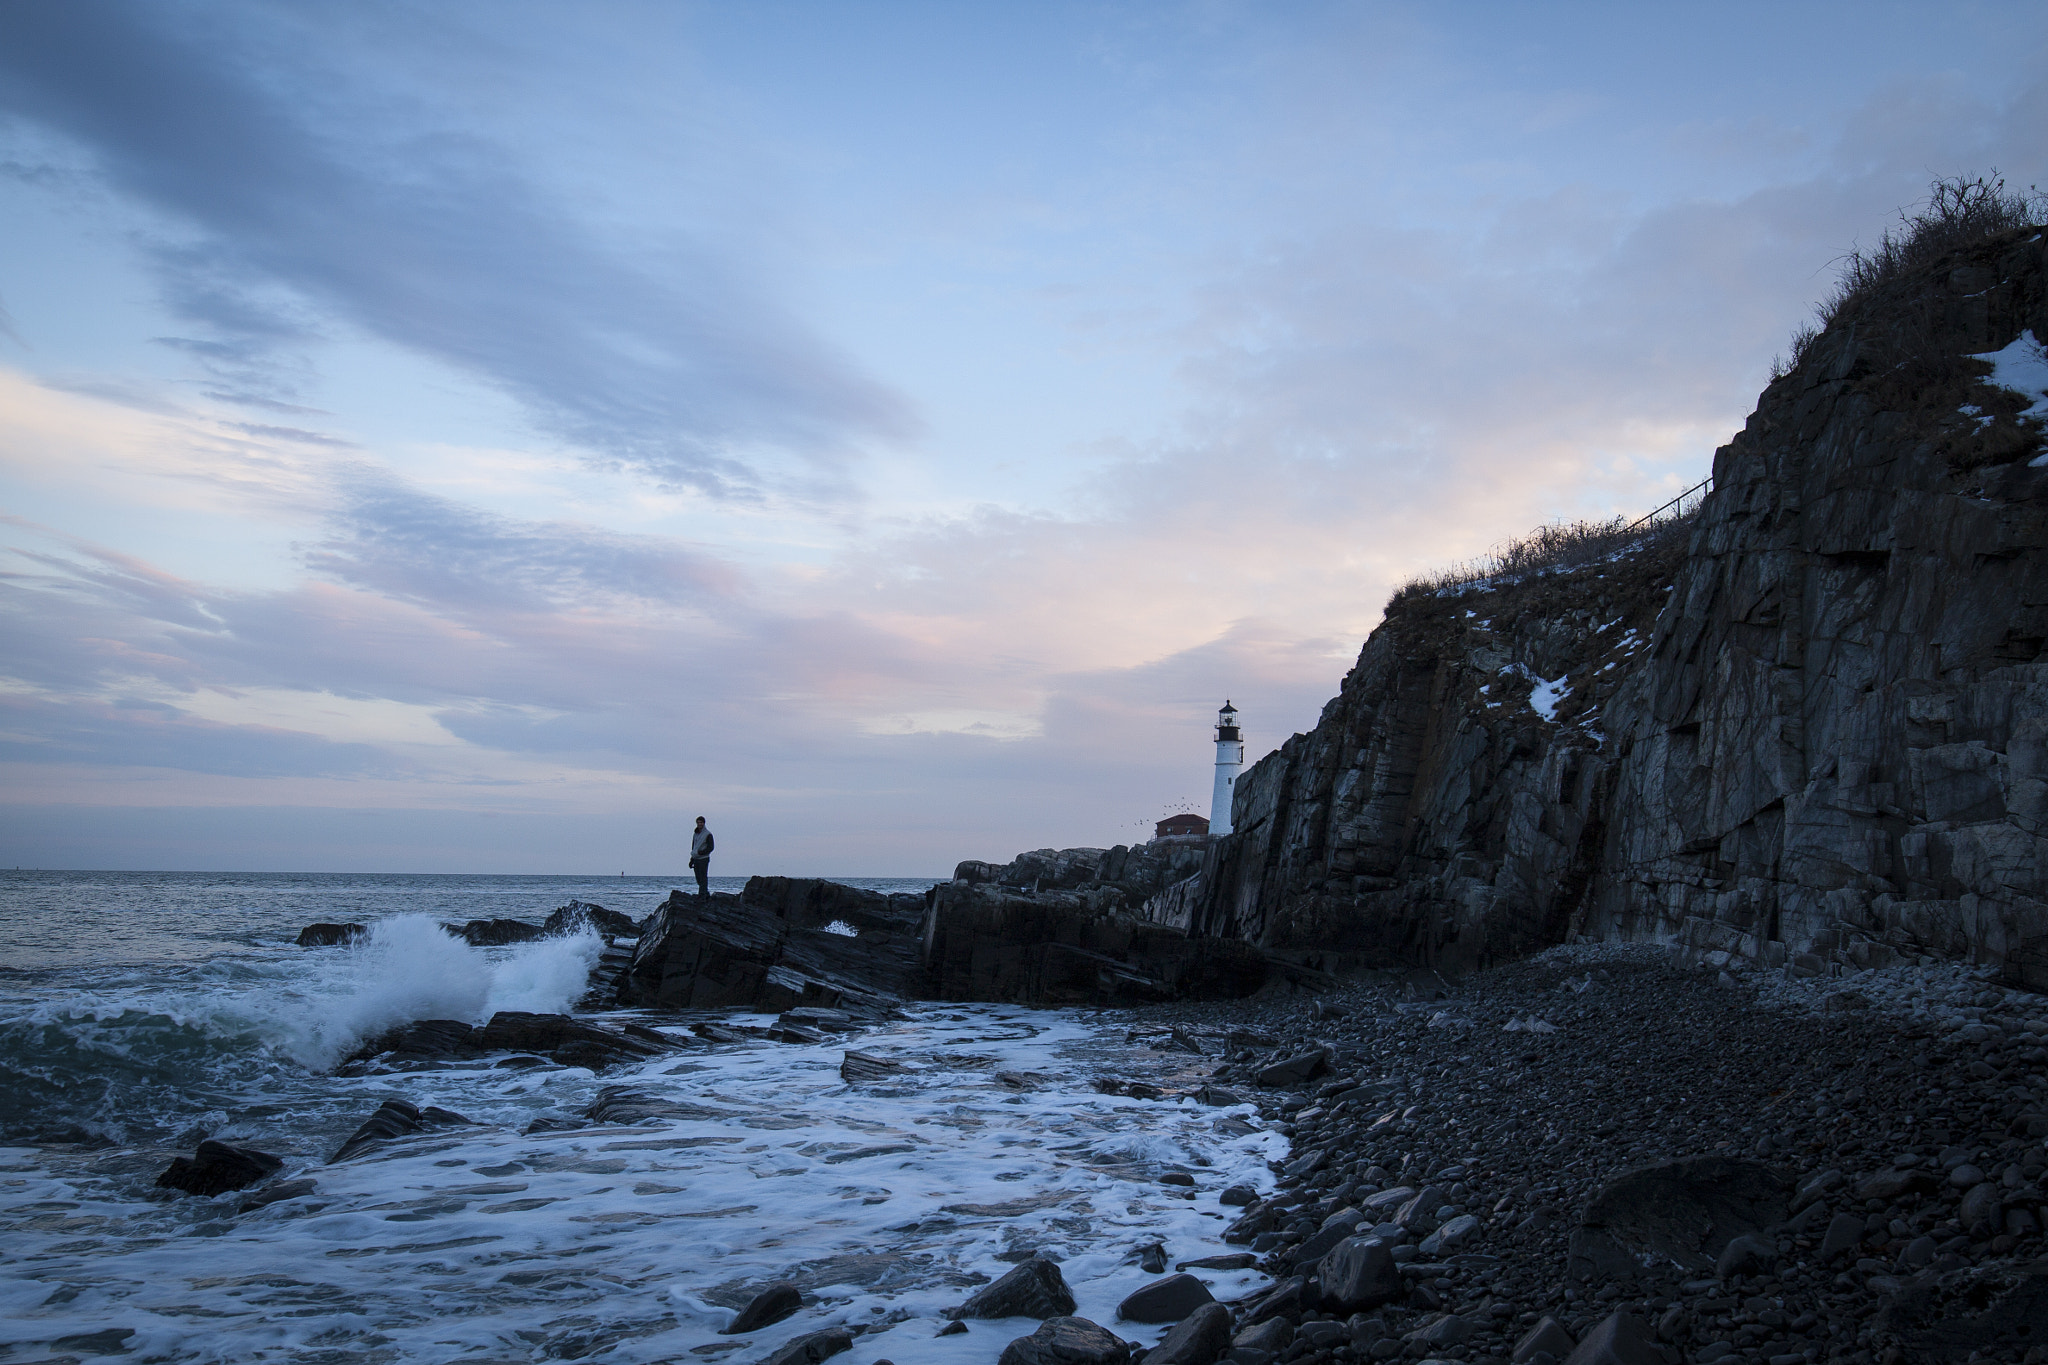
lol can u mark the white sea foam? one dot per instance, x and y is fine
(409, 968)
(634, 1244)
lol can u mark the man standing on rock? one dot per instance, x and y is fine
(701, 844)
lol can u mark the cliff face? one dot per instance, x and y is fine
(1447, 808)
(1808, 724)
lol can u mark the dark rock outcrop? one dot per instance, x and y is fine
(423, 1038)
(215, 1167)
(329, 935)
(1806, 726)
(394, 1119)
(620, 1104)
(494, 933)
(575, 915)
(570, 1042)
(986, 943)
(864, 1068)
(773, 948)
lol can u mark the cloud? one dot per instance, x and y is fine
(142, 734)
(434, 242)
(394, 540)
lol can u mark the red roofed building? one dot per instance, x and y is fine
(1174, 825)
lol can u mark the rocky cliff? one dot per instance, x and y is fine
(1807, 724)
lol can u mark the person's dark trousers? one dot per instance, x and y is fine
(703, 877)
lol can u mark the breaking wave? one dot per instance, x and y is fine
(152, 1057)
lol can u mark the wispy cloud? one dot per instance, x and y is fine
(435, 243)
(395, 540)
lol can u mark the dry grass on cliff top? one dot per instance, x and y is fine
(1560, 547)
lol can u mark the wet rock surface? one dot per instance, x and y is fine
(1067, 1341)
(217, 1167)
(494, 933)
(1678, 1170)
(771, 1305)
(1034, 1289)
(560, 1038)
(394, 1119)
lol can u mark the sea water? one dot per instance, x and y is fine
(140, 1013)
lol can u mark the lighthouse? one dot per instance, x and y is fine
(1229, 762)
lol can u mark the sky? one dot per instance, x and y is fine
(481, 436)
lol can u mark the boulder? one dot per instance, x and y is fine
(1196, 1339)
(809, 1350)
(1359, 1274)
(1296, 1070)
(1845, 1233)
(1982, 1212)
(1451, 1235)
(1547, 1337)
(1286, 1299)
(1619, 1339)
(1166, 1300)
(1420, 1211)
(1254, 1220)
(1335, 1229)
(216, 1168)
(771, 1305)
(1067, 1341)
(1446, 1331)
(1273, 1335)
(1033, 1289)
(1746, 1255)
(329, 935)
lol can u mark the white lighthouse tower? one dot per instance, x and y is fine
(1229, 762)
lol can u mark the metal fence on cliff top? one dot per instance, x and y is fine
(1559, 548)
(1684, 505)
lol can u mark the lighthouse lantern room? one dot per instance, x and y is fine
(1229, 762)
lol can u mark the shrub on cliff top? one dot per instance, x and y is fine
(1958, 212)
